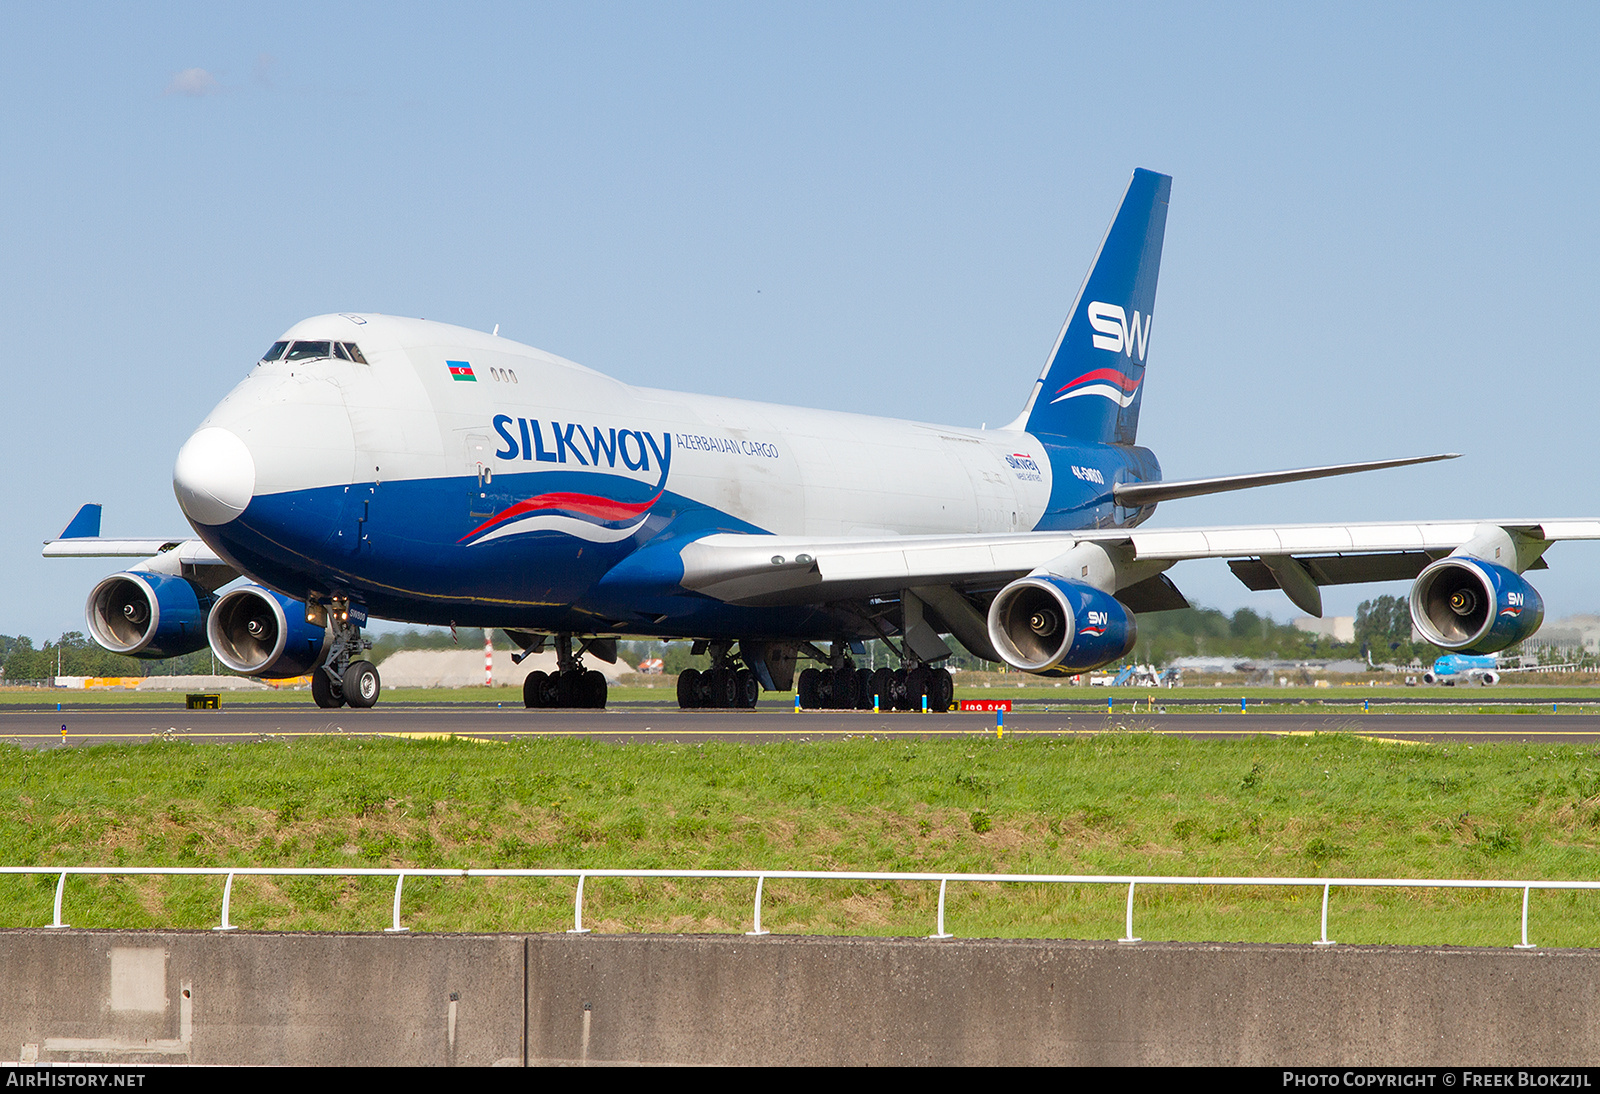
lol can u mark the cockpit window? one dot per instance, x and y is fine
(340, 352)
(355, 352)
(303, 351)
(275, 352)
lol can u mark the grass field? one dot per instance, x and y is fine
(1117, 803)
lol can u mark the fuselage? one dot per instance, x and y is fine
(436, 474)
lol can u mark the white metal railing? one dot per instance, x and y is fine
(760, 877)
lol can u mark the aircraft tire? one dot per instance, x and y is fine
(533, 689)
(942, 692)
(881, 688)
(844, 689)
(901, 687)
(569, 689)
(322, 690)
(824, 689)
(808, 687)
(724, 689)
(594, 690)
(918, 687)
(863, 689)
(591, 690)
(689, 689)
(361, 684)
(749, 690)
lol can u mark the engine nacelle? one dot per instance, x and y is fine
(150, 615)
(261, 633)
(1467, 604)
(1048, 624)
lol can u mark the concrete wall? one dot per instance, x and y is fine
(500, 999)
(236, 998)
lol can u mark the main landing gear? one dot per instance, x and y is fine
(570, 686)
(344, 676)
(722, 687)
(850, 688)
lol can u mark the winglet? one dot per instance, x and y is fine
(86, 525)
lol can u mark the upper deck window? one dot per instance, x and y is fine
(275, 352)
(305, 351)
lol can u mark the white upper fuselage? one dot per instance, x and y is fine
(421, 474)
(328, 422)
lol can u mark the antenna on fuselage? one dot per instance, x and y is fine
(496, 331)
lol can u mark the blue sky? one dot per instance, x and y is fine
(1380, 243)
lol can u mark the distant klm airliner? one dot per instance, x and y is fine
(1485, 669)
(408, 470)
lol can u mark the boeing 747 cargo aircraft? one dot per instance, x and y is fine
(373, 466)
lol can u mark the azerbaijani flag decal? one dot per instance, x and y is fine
(461, 370)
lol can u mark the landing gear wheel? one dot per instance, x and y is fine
(689, 689)
(901, 687)
(323, 691)
(917, 681)
(724, 689)
(594, 690)
(569, 688)
(533, 689)
(941, 691)
(844, 689)
(749, 690)
(863, 689)
(806, 691)
(825, 689)
(361, 684)
(881, 690)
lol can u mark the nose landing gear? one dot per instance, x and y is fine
(344, 676)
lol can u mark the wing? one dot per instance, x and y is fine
(756, 569)
(958, 577)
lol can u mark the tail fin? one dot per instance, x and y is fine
(1092, 386)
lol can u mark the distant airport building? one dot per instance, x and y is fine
(1340, 628)
(465, 668)
(1574, 635)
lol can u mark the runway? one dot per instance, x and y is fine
(243, 722)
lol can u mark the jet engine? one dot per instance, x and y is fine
(1466, 604)
(1047, 624)
(152, 615)
(262, 633)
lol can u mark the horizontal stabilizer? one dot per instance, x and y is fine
(96, 547)
(85, 525)
(1132, 495)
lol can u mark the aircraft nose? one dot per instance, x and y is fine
(215, 476)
